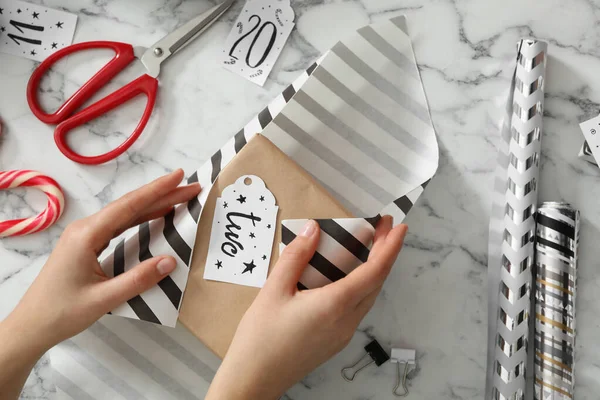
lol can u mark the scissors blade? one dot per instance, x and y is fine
(183, 35)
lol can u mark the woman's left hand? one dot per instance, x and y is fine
(71, 292)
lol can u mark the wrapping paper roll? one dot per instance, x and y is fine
(557, 239)
(512, 227)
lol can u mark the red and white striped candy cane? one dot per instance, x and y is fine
(36, 180)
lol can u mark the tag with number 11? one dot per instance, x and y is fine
(257, 38)
(32, 31)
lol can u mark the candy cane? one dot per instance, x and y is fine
(33, 179)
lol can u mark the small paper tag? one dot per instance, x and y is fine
(242, 233)
(32, 31)
(257, 38)
(591, 131)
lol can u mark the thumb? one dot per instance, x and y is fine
(295, 257)
(138, 279)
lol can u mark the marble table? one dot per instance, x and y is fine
(435, 299)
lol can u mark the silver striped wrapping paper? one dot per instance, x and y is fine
(359, 122)
(557, 239)
(512, 226)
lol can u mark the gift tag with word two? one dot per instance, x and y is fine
(257, 38)
(242, 233)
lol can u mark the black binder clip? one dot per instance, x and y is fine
(377, 354)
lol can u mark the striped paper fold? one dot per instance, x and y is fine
(175, 234)
(358, 122)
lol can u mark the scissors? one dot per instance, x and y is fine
(66, 118)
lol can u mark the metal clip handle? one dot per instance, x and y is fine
(401, 380)
(408, 358)
(350, 368)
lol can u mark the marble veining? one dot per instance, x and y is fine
(435, 299)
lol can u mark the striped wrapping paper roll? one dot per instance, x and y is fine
(557, 239)
(512, 227)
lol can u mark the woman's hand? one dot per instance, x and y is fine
(286, 333)
(71, 292)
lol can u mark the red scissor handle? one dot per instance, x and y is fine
(65, 117)
(144, 84)
(123, 56)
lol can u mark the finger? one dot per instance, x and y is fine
(164, 205)
(295, 257)
(358, 284)
(154, 215)
(384, 226)
(176, 196)
(127, 285)
(141, 220)
(120, 214)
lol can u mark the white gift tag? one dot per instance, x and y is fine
(591, 131)
(242, 233)
(257, 38)
(32, 31)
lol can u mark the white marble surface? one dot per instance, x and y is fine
(434, 300)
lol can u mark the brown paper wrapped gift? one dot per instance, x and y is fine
(212, 310)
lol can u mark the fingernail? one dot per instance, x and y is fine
(309, 228)
(166, 266)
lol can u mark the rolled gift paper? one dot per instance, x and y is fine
(512, 227)
(36, 180)
(557, 239)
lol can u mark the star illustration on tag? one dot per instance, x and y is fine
(249, 267)
(33, 31)
(241, 238)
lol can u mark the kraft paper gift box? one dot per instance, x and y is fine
(211, 310)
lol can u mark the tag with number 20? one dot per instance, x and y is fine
(257, 38)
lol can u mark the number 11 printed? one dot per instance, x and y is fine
(32, 31)
(257, 39)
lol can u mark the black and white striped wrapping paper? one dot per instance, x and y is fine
(358, 121)
(556, 253)
(175, 234)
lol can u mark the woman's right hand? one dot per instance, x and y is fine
(287, 333)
